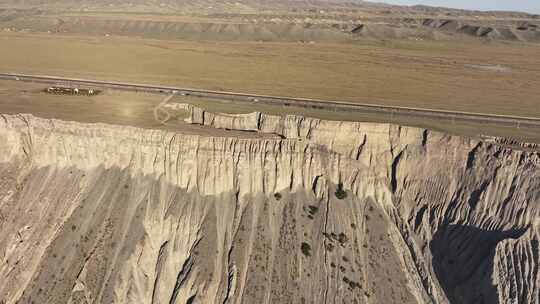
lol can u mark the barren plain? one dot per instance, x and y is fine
(441, 75)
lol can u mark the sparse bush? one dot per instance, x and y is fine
(277, 196)
(340, 192)
(329, 247)
(342, 238)
(352, 284)
(313, 209)
(306, 249)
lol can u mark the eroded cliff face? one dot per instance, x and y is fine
(94, 213)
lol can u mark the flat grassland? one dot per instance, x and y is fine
(474, 76)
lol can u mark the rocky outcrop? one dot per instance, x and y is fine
(334, 212)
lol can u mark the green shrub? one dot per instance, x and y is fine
(340, 192)
(306, 249)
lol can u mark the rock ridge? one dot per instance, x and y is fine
(123, 214)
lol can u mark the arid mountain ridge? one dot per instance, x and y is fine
(254, 20)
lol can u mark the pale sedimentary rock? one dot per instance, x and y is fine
(93, 213)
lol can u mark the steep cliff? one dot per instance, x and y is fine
(335, 212)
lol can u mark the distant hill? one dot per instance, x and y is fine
(238, 6)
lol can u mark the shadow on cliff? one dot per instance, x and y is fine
(463, 259)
